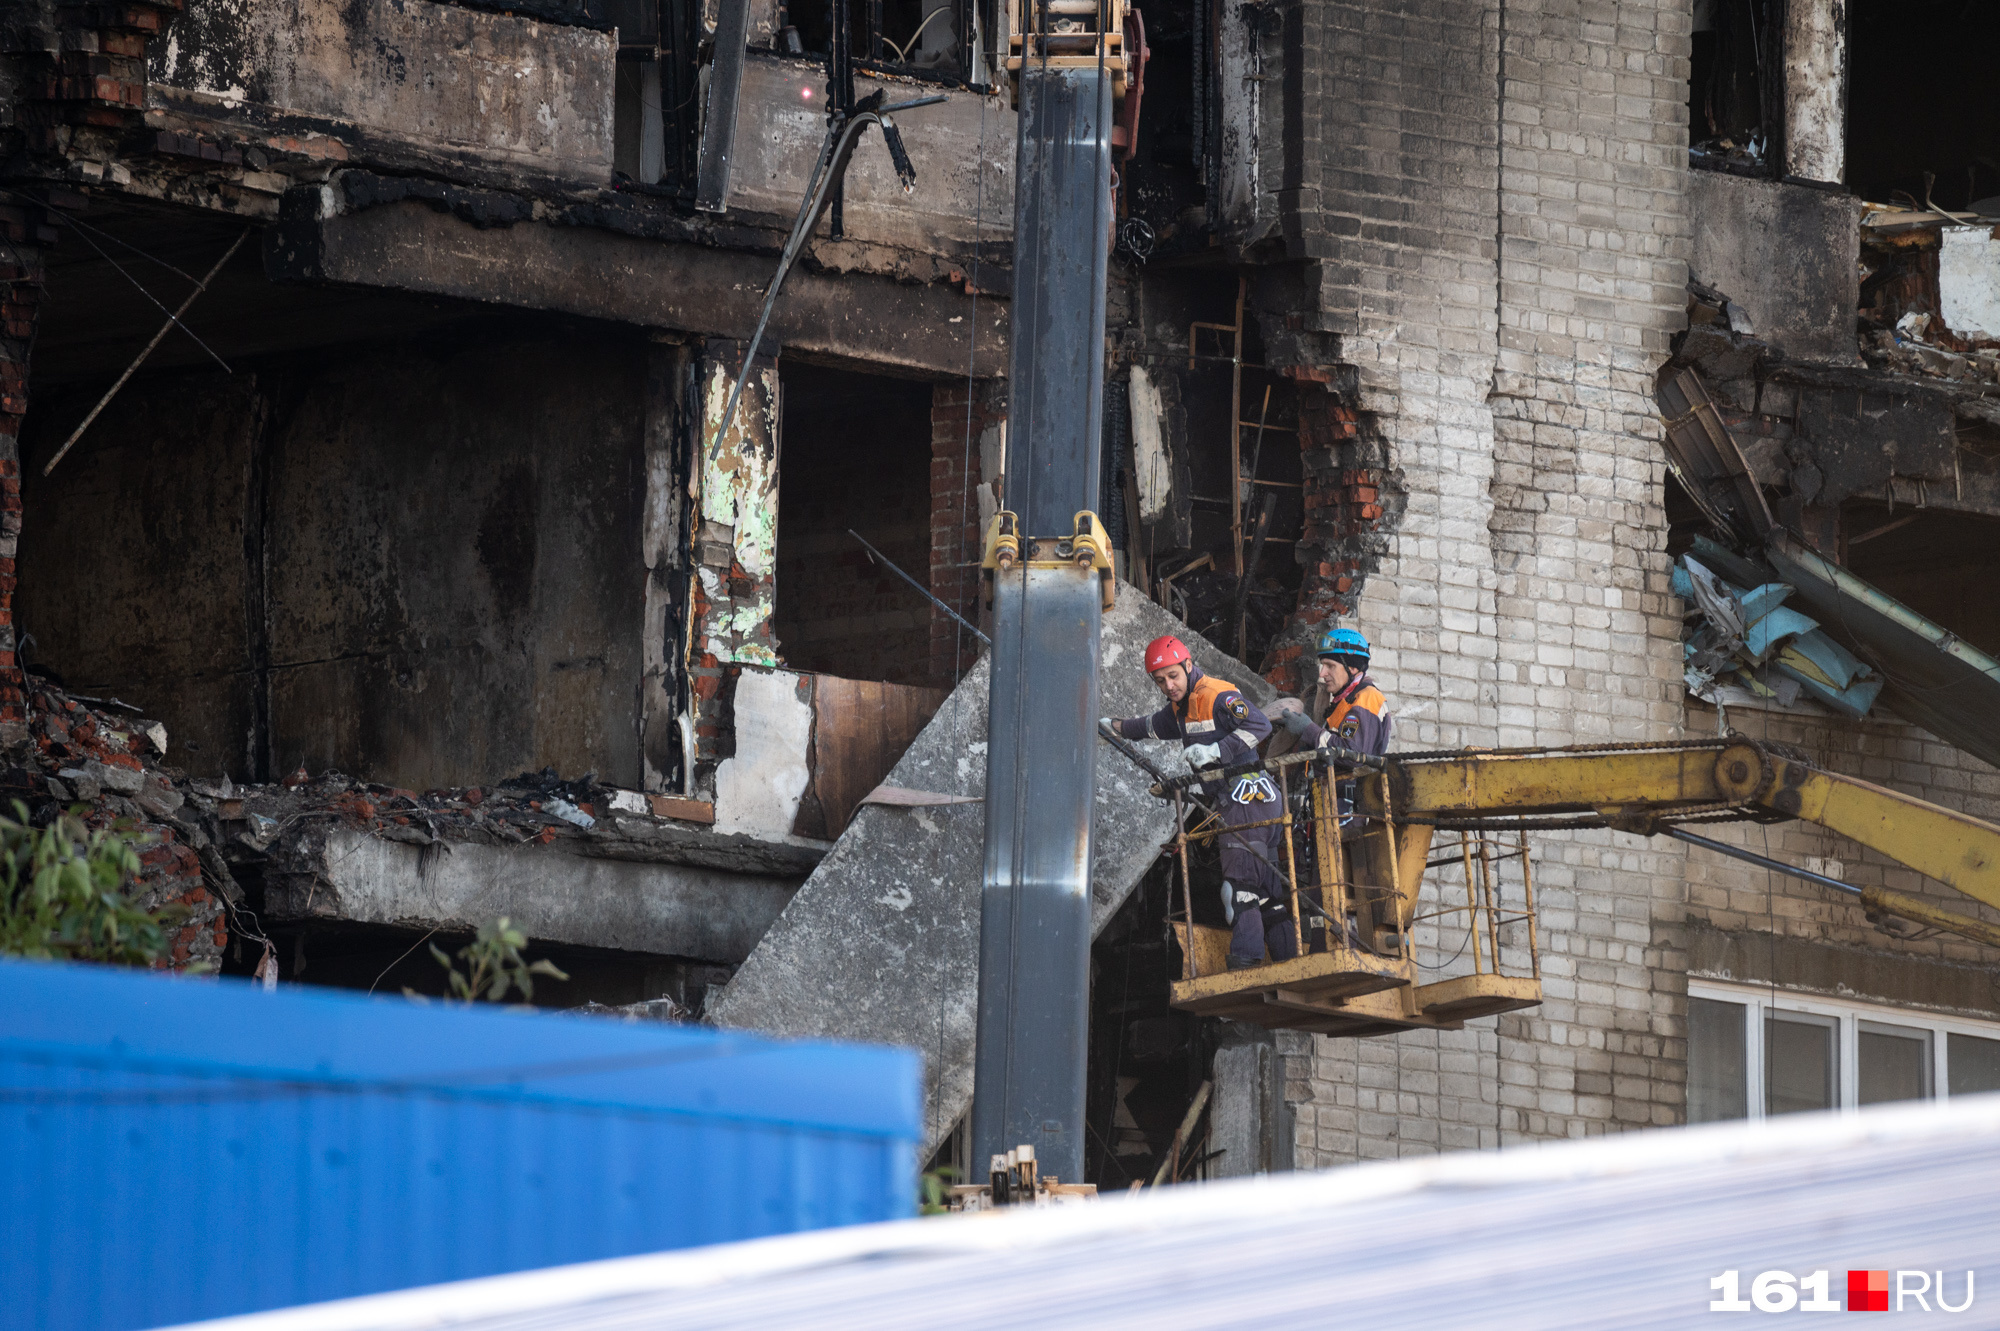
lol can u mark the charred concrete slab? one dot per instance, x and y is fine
(928, 328)
(405, 84)
(552, 894)
(1784, 253)
(962, 151)
(881, 944)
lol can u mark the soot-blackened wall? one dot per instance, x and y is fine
(415, 564)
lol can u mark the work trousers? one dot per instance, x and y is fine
(1252, 865)
(1258, 927)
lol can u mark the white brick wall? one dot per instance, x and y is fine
(1735, 896)
(1505, 339)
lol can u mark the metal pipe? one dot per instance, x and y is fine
(1761, 861)
(1471, 903)
(1528, 904)
(1029, 1072)
(1487, 880)
(1188, 962)
(882, 558)
(1291, 863)
(173, 321)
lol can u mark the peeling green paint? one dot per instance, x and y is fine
(737, 484)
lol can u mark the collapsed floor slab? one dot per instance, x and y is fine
(677, 910)
(881, 944)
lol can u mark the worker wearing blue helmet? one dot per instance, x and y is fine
(1357, 717)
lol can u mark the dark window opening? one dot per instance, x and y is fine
(855, 452)
(1735, 89)
(1167, 184)
(1942, 564)
(1188, 557)
(656, 109)
(1922, 118)
(929, 39)
(1147, 1061)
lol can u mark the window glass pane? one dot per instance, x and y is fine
(1799, 1063)
(1972, 1064)
(1895, 1063)
(1718, 1069)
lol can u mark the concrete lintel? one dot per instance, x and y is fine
(666, 909)
(1813, 968)
(409, 246)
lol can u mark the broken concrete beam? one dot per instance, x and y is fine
(1784, 254)
(552, 895)
(882, 943)
(579, 270)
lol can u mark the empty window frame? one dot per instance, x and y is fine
(1752, 1054)
(930, 39)
(1736, 87)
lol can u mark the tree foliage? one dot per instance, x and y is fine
(65, 895)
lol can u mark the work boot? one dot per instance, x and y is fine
(1242, 963)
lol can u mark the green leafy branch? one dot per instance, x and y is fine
(494, 965)
(65, 895)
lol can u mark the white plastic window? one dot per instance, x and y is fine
(1753, 1053)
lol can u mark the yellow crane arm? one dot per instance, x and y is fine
(1644, 788)
(1957, 850)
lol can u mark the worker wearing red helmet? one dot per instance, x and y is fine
(1219, 727)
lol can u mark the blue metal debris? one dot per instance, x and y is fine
(1749, 639)
(173, 1150)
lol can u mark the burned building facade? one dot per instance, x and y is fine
(428, 484)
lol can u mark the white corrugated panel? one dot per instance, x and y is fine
(1621, 1231)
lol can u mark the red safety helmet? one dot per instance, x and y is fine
(1163, 652)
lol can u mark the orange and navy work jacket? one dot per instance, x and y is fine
(1213, 712)
(1359, 721)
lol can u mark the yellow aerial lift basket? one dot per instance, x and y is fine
(1353, 910)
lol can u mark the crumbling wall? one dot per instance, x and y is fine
(422, 564)
(1353, 498)
(1500, 238)
(136, 579)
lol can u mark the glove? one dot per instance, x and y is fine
(1298, 723)
(1202, 756)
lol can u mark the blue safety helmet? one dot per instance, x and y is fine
(1346, 646)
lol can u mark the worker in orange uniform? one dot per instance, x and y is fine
(1219, 727)
(1357, 717)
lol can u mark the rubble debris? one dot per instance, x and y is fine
(1930, 293)
(71, 754)
(1747, 638)
(200, 839)
(649, 1009)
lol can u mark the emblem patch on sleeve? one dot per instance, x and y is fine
(1238, 710)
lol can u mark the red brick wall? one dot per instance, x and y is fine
(956, 535)
(1340, 543)
(21, 272)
